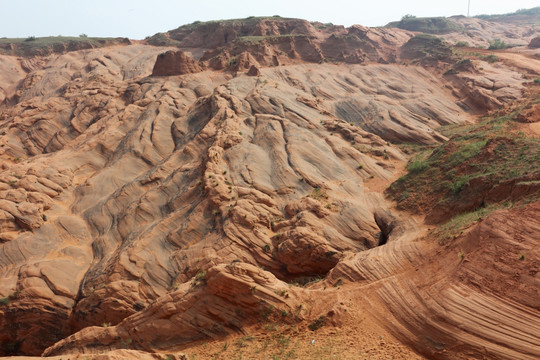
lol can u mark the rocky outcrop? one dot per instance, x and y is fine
(216, 303)
(535, 43)
(489, 89)
(427, 49)
(175, 63)
(254, 71)
(237, 44)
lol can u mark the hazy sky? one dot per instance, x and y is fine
(138, 18)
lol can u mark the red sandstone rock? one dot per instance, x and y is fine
(254, 71)
(535, 43)
(175, 63)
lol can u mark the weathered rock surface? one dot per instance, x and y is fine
(254, 71)
(132, 185)
(238, 44)
(535, 43)
(484, 289)
(148, 212)
(175, 63)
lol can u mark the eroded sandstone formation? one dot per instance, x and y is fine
(146, 204)
(175, 63)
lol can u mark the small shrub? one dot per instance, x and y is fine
(408, 16)
(537, 80)
(126, 342)
(490, 58)
(498, 44)
(201, 276)
(83, 35)
(458, 185)
(462, 44)
(30, 38)
(317, 324)
(266, 312)
(318, 194)
(404, 196)
(4, 301)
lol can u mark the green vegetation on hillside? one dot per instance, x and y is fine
(523, 17)
(31, 45)
(428, 25)
(498, 44)
(456, 175)
(531, 11)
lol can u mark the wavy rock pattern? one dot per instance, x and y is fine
(151, 212)
(480, 302)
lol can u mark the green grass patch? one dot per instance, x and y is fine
(490, 58)
(455, 226)
(461, 44)
(417, 166)
(467, 151)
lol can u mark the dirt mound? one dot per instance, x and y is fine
(175, 63)
(535, 43)
(530, 115)
(427, 49)
(434, 25)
